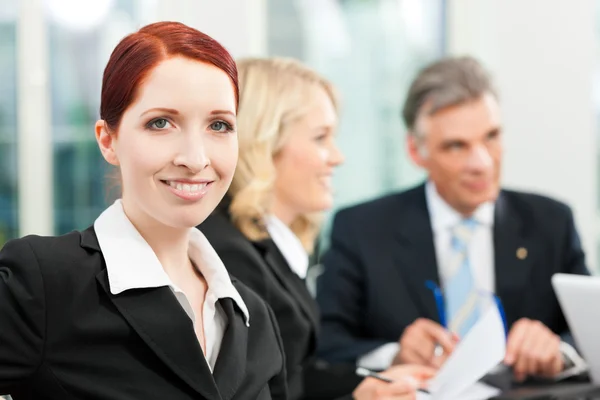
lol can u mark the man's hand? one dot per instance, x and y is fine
(418, 343)
(406, 379)
(533, 349)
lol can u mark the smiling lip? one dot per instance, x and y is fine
(188, 189)
(478, 186)
(326, 180)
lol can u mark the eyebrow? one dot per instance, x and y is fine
(167, 110)
(221, 112)
(175, 112)
(448, 142)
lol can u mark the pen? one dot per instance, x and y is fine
(368, 373)
(502, 315)
(441, 308)
(439, 301)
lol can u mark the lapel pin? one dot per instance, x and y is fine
(521, 253)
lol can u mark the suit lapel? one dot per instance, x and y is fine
(293, 283)
(414, 251)
(230, 368)
(163, 325)
(512, 256)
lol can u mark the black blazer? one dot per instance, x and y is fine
(382, 253)
(63, 335)
(262, 267)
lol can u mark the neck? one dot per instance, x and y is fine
(282, 211)
(465, 211)
(169, 244)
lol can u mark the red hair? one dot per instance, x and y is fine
(138, 53)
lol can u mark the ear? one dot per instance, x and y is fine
(416, 150)
(106, 143)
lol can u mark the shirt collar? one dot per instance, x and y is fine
(443, 216)
(289, 245)
(132, 264)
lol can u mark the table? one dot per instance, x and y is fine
(576, 388)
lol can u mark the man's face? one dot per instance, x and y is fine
(461, 149)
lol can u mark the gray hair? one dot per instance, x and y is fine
(447, 82)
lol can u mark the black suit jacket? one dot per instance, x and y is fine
(262, 267)
(63, 335)
(382, 253)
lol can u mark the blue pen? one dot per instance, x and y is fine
(439, 301)
(502, 314)
(441, 308)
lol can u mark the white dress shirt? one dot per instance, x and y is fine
(132, 264)
(481, 246)
(481, 256)
(289, 245)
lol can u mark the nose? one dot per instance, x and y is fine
(192, 153)
(336, 157)
(480, 159)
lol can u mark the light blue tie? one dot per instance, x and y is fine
(460, 291)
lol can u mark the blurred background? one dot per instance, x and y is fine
(544, 55)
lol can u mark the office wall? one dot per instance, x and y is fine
(540, 51)
(370, 51)
(240, 25)
(59, 50)
(542, 55)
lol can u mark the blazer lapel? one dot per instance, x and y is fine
(414, 251)
(512, 257)
(293, 283)
(230, 368)
(163, 325)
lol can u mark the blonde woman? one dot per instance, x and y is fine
(265, 228)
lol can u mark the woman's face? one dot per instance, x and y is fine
(176, 145)
(304, 166)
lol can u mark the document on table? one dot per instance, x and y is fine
(481, 350)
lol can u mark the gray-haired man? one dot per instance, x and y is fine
(459, 231)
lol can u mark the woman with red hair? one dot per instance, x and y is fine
(139, 305)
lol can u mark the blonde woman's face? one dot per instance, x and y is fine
(305, 164)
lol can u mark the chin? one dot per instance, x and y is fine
(325, 205)
(189, 222)
(484, 198)
(183, 222)
(492, 194)
(188, 217)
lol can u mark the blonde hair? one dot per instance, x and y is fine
(274, 92)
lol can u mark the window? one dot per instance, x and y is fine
(371, 50)
(81, 37)
(8, 123)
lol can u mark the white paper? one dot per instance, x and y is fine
(480, 351)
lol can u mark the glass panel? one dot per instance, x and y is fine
(81, 39)
(371, 50)
(8, 123)
(596, 105)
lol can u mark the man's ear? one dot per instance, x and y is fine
(106, 143)
(416, 149)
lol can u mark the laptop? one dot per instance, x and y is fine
(579, 298)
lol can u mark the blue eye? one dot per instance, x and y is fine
(221, 126)
(158, 123)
